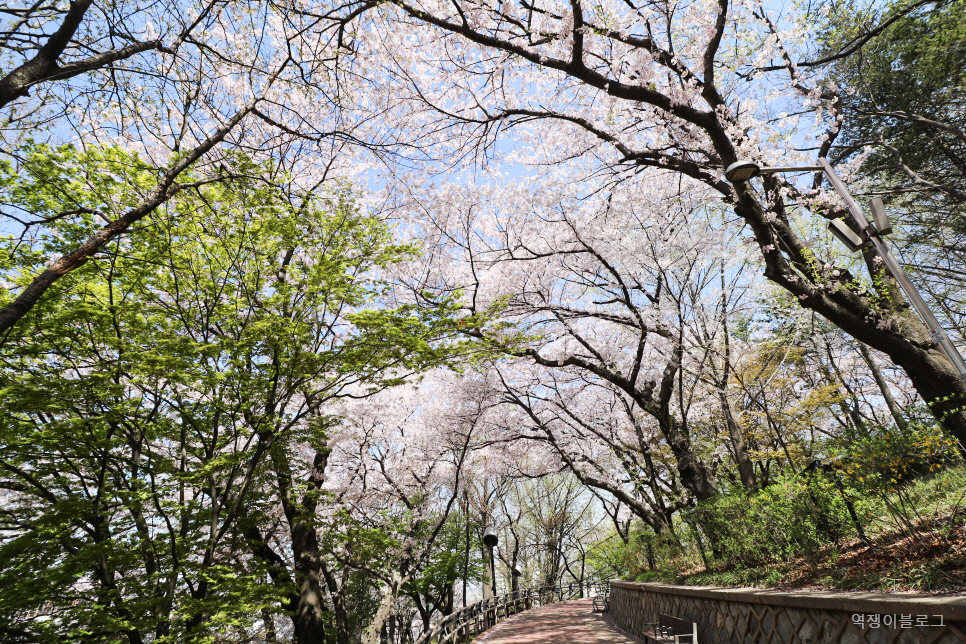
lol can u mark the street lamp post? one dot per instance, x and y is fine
(490, 539)
(745, 170)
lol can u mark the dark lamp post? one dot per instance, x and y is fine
(490, 539)
(745, 170)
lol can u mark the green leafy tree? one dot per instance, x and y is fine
(159, 407)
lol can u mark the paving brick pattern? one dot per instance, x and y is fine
(572, 622)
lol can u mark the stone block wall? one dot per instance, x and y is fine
(755, 616)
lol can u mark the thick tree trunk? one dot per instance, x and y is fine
(695, 475)
(939, 385)
(309, 625)
(897, 331)
(300, 513)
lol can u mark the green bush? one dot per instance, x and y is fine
(886, 458)
(794, 517)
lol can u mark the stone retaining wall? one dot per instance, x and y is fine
(754, 616)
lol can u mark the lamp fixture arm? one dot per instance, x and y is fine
(936, 331)
(745, 170)
(840, 188)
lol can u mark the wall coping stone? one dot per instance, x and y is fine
(952, 608)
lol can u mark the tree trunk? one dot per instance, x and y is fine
(746, 469)
(300, 513)
(695, 475)
(450, 605)
(309, 626)
(269, 619)
(466, 535)
(385, 608)
(337, 596)
(883, 387)
(939, 385)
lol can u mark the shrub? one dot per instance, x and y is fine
(883, 460)
(793, 517)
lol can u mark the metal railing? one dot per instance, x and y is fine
(476, 618)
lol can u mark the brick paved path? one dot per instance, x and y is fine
(570, 622)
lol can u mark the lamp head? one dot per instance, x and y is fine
(845, 235)
(879, 216)
(742, 171)
(490, 539)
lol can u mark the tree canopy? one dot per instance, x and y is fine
(300, 297)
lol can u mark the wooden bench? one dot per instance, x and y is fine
(602, 600)
(681, 631)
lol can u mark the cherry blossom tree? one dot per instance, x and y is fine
(602, 317)
(596, 95)
(399, 462)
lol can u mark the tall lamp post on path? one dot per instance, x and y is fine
(745, 170)
(490, 539)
